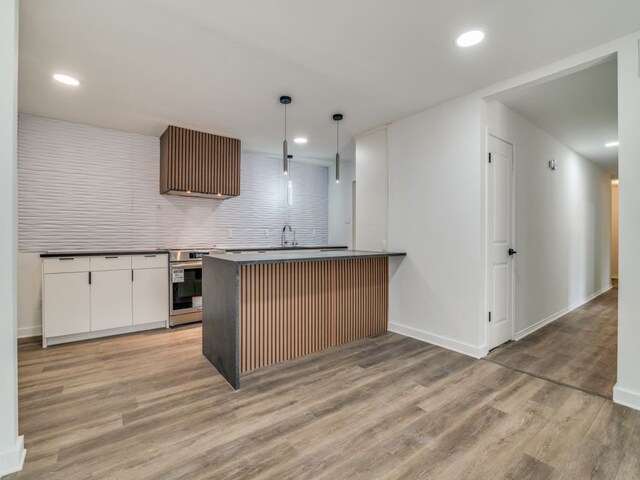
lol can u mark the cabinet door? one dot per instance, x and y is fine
(110, 299)
(150, 295)
(66, 304)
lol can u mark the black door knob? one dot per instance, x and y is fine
(512, 252)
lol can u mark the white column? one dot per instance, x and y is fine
(11, 445)
(372, 191)
(627, 390)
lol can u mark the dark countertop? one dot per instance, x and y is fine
(272, 249)
(100, 253)
(299, 256)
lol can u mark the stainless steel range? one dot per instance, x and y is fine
(185, 278)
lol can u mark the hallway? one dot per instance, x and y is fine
(578, 350)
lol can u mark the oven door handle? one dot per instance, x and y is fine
(186, 266)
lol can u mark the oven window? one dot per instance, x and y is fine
(183, 292)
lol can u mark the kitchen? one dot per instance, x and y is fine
(136, 282)
(248, 240)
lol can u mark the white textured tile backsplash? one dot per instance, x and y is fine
(83, 187)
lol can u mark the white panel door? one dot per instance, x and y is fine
(150, 295)
(500, 240)
(110, 299)
(66, 305)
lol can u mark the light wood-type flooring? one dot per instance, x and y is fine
(150, 406)
(579, 349)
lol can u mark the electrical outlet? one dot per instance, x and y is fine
(347, 220)
(315, 232)
(229, 233)
(266, 233)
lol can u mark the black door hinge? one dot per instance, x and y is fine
(489, 317)
(489, 158)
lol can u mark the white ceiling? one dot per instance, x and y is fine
(580, 110)
(220, 65)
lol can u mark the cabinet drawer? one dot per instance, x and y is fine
(65, 264)
(157, 260)
(110, 262)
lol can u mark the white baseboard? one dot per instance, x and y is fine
(448, 343)
(24, 332)
(626, 397)
(105, 333)
(11, 461)
(545, 321)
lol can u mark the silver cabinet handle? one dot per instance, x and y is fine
(150, 256)
(65, 258)
(110, 258)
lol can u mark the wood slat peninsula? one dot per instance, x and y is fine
(264, 308)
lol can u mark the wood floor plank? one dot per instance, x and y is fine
(149, 406)
(528, 468)
(578, 349)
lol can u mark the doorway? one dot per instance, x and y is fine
(564, 309)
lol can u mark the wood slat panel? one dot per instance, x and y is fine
(292, 309)
(199, 163)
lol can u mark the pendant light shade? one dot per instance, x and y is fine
(285, 157)
(289, 187)
(285, 100)
(337, 117)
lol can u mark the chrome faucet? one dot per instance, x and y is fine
(284, 240)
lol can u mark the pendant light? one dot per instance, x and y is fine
(289, 187)
(285, 100)
(337, 117)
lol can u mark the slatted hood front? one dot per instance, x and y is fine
(199, 164)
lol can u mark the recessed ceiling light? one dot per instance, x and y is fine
(66, 79)
(300, 140)
(469, 39)
(612, 144)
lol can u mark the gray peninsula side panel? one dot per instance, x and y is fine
(220, 308)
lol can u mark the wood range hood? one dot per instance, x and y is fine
(199, 164)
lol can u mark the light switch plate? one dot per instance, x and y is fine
(229, 233)
(266, 233)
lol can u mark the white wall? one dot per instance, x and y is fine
(563, 222)
(11, 445)
(627, 389)
(372, 191)
(83, 187)
(29, 295)
(435, 217)
(340, 204)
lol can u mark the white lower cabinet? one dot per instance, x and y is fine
(66, 304)
(110, 300)
(88, 297)
(150, 295)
